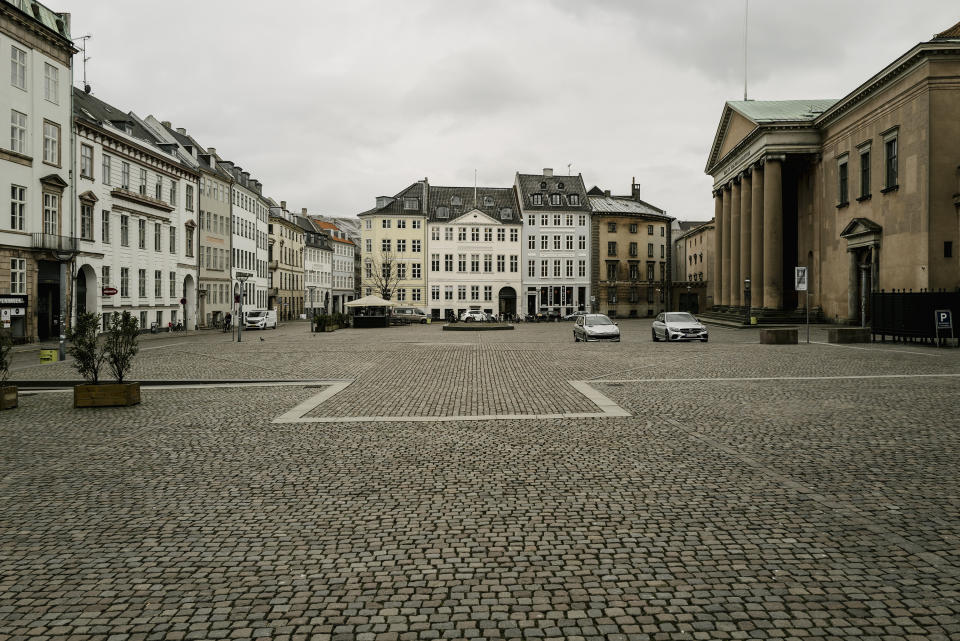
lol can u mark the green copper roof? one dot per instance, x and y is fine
(761, 111)
(56, 22)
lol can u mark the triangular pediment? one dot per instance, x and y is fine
(733, 128)
(88, 196)
(54, 181)
(475, 216)
(859, 227)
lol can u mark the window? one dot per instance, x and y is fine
(474, 262)
(401, 245)
(18, 204)
(158, 283)
(544, 268)
(536, 199)
(890, 157)
(554, 199)
(142, 234)
(368, 244)
(531, 268)
(649, 230)
(106, 169)
(415, 270)
(173, 239)
(569, 220)
(650, 250)
(532, 219)
(948, 249)
(125, 175)
(368, 224)
(124, 230)
(569, 269)
(51, 83)
(415, 246)
(461, 233)
(556, 220)
(612, 248)
(582, 242)
(51, 143)
(125, 282)
(435, 292)
(448, 233)
(415, 224)
(189, 241)
(842, 193)
(156, 237)
(544, 219)
(582, 268)
(864, 174)
(173, 193)
(435, 233)
(532, 242)
(649, 271)
(461, 292)
(86, 221)
(142, 283)
(634, 228)
(143, 182)
(410, 204)
(634, 271)
(488, 263)
(401, 223)
(158, 188)
(51, 214)
(448, 292)
(556, 269)
(513, 264)
(612, 270)
(612, 227)
(18, 132)
(173, 284)
(434, 262)
(86, 161)
(556, 241)
(461, 262)
(633, 249)
(574, 200)
(569, 241)
(514, 235)
(385, 244)
(18, 67)
(662, 231)
(402, 271)
(475, 234)
(663, 249)
(501, 235)
(448, 263)
(501, 262)
(105, 275)
(474, 292)
(18, 276)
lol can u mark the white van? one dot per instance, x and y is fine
(260, 319)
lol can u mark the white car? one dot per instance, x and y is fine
(678, 326)
(472, 315)
(595, 327)
(260, 319)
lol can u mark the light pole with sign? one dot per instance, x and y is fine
(242, 277)
(801, 285)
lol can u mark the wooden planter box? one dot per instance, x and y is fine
(106, 395)
(8, 397)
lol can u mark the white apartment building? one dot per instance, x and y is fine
(556, 244)
(137, 240)
(343, 276)
(38, 237)
(317, 267)
(249, 242)
(474, 248)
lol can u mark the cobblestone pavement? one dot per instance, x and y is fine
(755, 492)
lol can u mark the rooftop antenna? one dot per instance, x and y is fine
(83, 50)
(746, 12)
(474, 188)
(569, 164)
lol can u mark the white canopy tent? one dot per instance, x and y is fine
(371, 301)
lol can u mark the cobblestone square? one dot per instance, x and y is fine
(750, 492)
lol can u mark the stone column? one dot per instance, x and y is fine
(725, 261)
(756, 238)
(773, 233)
(746, 206)
(736, 286)
(717, 247)
(852, 275)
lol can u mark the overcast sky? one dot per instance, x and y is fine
(332, 103)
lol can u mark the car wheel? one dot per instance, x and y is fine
(653, 334)
(576, 339)
(705, 339)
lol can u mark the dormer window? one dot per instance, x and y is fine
(536, 199)
(554, 199)
(506, 213)
(455, 201)
(559, 185)
(574, 200)
(410, 204)
(488, 201)
(443, 212)
(543, 185)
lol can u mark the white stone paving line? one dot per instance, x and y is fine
(325, 382)
(608, 408)
(772, 378)
(877, 349)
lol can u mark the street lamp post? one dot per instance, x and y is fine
(242, 277)
(746, 298)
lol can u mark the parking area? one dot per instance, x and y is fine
(487, 485)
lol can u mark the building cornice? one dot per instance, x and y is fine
(18, 26)
(137, 152)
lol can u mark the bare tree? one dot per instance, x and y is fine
(381, 274)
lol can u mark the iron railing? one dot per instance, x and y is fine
(52, 242)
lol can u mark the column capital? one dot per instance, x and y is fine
(747, 172)
(775, 157)
(727, 186)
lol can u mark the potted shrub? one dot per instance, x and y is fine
(8, 393)
(117, 349)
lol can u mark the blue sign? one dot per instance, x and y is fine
(944, 319)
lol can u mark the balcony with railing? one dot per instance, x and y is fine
(54, 243)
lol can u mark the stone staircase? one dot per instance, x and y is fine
(735, 317)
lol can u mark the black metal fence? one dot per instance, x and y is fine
(911, 315)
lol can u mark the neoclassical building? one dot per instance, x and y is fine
(863, 191)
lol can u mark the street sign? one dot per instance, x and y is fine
(183, 301)
(944, 319)
(109, 291)
(800, 279)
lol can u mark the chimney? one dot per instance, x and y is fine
(181, 130)
(283, 205)
(165, 123)
(635, 189)
(547, 172)
(606, 192)
(303, 211)
(212, 151)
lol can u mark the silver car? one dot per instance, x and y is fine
(678, 326)
(595, 327)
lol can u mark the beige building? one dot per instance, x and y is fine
(286, 264)
(862, 190)
(630, 246)
(693, 268)
(394, 244)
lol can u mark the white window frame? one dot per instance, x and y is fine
(18, 131)
(18, 206)
(51, 83)
(18, 276)
(18, 67)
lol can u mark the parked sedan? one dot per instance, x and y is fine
(595, 327)
(472, 315)
(678, 326)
